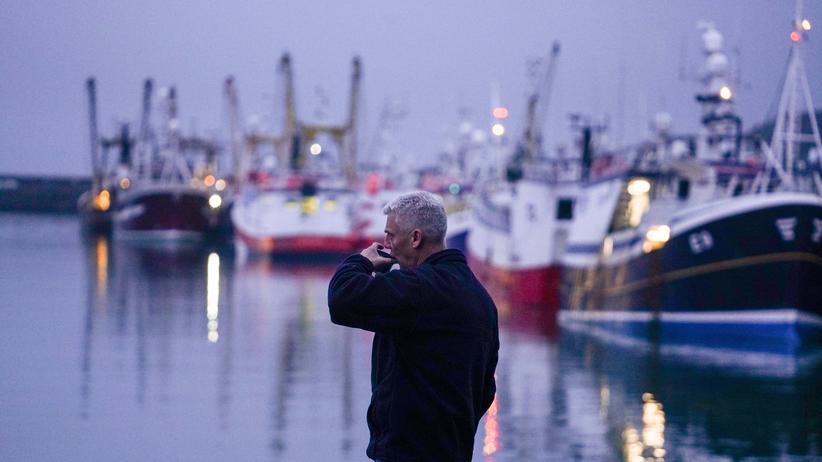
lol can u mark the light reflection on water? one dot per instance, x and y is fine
(116, 353)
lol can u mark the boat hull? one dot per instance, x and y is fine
(300, 246)
(747, 272)
(287, 224)
(167, 214)
(522, 286)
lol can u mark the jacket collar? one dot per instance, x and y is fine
(443, 256)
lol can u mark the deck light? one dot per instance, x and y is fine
(795, 36)
(498, 129)
(639, 186)
(656, 237)
(316, 149)
(725, 92)
(125, 183)
(103, 200)
(219, 185)
(500, 112)
(215, 201)
(806, 25)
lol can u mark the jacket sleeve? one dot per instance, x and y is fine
(378, 303)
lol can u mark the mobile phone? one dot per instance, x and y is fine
(385, 254)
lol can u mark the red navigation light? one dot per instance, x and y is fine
(500, 112)
(795, 36)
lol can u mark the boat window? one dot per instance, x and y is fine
(565, 209)
(633, 203)
(684, 189)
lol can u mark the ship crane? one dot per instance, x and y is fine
(291, 145)
(538, 105)
(246, 144)
(345, 134)
(530, 146)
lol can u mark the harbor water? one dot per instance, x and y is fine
(112, 352)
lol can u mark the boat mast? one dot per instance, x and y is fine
(238, 155)
(787, 136)
(290, 140)
(96, 170)
(350, 148)
(721, 129)
(145, 152)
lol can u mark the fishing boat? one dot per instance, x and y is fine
(306, 204)
(717, 238)
(311, 218)
(174, 195)
(521, 224)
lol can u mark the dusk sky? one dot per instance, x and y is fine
(430, 57)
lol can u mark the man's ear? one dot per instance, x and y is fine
(416, 238)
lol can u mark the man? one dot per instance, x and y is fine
(436, 336)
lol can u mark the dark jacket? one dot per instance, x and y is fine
(434, 354)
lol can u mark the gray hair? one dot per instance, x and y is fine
(420, 209)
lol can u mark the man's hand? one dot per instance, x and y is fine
(381, 264)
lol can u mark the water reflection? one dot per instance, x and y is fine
(144, 308)
(141, 354)
(213, 296)
(672, 407)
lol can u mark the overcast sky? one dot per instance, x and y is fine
(433, 57)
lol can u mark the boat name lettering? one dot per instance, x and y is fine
(700, 241)
(786, 228)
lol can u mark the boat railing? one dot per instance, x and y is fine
(492, 215)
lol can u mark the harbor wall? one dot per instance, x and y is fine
(41, 194)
